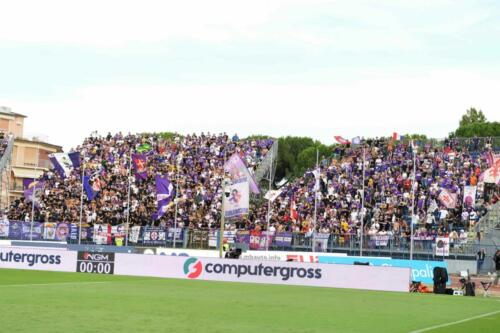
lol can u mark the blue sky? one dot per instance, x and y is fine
(298, 67)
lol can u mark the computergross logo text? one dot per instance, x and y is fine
(283, 272)
(31, 259)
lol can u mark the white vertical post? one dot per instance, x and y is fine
(128, 196)
(362, 204)
(82, 161)
(413, 199)
(316, 189)
(269, 201)
(176, 200)
(33, 195)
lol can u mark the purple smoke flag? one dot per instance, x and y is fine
(33, 191)
(164, 195)
(140, 166)
(65, 163)
(92, 187)
(237, 169)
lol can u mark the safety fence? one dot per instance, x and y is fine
(425, 246)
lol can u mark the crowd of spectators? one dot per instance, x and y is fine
(388, 192)
(194, 164)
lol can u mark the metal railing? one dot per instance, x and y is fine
(394, 246)
(491, 220)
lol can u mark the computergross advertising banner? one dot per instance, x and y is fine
(269, 272)
(37, 259)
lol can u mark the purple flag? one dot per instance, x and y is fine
(237, 168)
(34, 189)
(140, 166)
(164, 194)
(65, 163)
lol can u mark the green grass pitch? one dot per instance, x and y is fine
(33, 301)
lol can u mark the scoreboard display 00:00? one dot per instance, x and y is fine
(95, 262)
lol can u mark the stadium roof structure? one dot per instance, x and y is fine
(8, 112)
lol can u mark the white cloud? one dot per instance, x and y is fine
(430, 104)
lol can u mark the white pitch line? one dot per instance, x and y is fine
(455, 322)
(49, 284)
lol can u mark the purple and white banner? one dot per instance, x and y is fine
(238, 170)
(283, 239)
(4, 229)
(64, 163)
(237, 203)
(154, 236)
(34, 233)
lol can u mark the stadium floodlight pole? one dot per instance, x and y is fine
(33, 194)
(128, 197)
(81, 201)
(269, 201)
(176, 200)
(316, 189)
(362, 204)
(413, 200)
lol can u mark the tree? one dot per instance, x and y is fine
(474, 123)
(472, 116)
(488, 129)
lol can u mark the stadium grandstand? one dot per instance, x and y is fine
(326, 204)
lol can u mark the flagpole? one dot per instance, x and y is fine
(362, 204)
(223, 213)
(33, 195)
(269, 201)
(316, 188)
(413, 199)
(176, 200)
(81, 202)
(128, 197)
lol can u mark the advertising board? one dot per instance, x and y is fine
(37, 259)
(269, 272)
(422, 271)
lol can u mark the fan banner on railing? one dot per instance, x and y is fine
(62, 231)
(4, 228)
(49, 230)
(134, 234)
(243, 237)
(320, 242)
(118, 231)
(236, 204)
(73, 232)
(178, 232)
(443, 246)
(15, 230)
(283, 239)
(102, 234)
(34, 233)
(470, 196)
(259, 239)
(154, 236)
